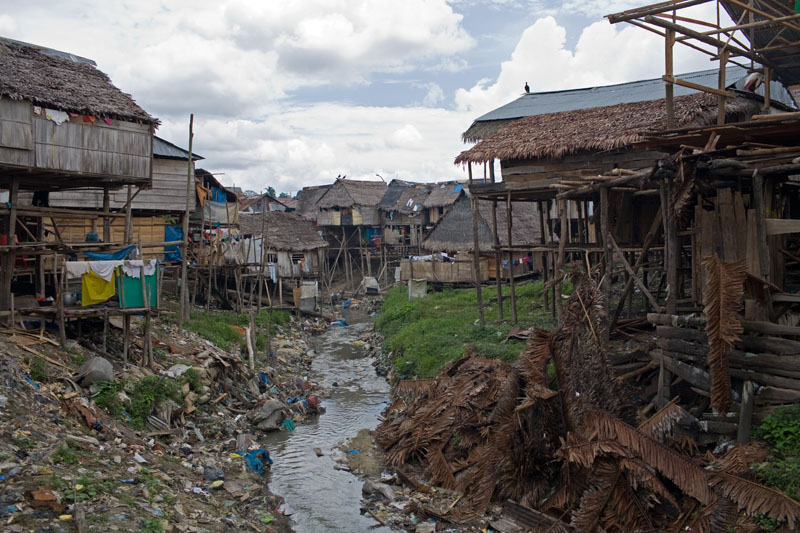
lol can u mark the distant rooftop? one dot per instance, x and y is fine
(167, 150)
(622, 93)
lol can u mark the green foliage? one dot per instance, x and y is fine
(37, 370)
(216, 326)
(429, 332)
(144, 394)
(22, 442)
(781, 429)
(64, 454)
(152, 525)
(767, 524)
(91, 488)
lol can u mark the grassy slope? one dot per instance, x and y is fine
(429, 332)
(216, 326)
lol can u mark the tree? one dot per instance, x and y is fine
(271, 191)
(284, 195)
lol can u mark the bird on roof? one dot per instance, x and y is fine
(527, 88)
(753, 81)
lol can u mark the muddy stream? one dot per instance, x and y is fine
(319, 497)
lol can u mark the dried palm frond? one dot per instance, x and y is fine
(639, 474)
(441, 473)
(722, 302)
(754, 497)
(538, 351)
(686, 475)
(738, 460)
(625, 510)
(587, 517)
(661, 423)
(584, 453)
(414, 387)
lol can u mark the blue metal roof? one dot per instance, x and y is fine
(162, 148)
(622, 93)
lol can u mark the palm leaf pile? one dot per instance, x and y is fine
(571, 446)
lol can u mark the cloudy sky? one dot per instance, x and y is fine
(290, 93)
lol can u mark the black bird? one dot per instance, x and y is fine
(527, 89)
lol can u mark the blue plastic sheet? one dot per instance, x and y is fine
(119, 255)
(173, 233)
(253, 461)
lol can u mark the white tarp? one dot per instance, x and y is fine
(417, 288)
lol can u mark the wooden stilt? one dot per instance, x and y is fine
(559, 262)
(476, 252)
(509, 224)
(605, 221)
(184, 312)
(498, 258)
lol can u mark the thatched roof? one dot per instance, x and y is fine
(444, 194)
(405, 196)
(453, 233)
(307, 200)
(59, 81)
(284, 231)
(555, 135)
(348, 193)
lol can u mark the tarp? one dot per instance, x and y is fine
(130, 291)
(173, 233)
(119, 255)
(224, 213)
(417, 288)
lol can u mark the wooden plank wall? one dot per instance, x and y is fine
(168, 192)
(122, 149)
(581, 164)
(148, 229)
(444, 272)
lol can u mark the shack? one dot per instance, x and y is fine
(285, 249)
(65, 126)
(442, 197)
(451, 245)
(260, 204)
(307, 199)
(348, 213)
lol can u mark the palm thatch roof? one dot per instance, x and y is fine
(307, 200)
(405, 196)
(346, 193)
(284, 231)
(444, 194)
(555, 135)
(453, 233)
(60, 81)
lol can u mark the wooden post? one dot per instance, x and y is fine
(542, 241)
(498, 258)
(7, 271)
(509, 222)
(745, 413)
(767, 88)
(128, 218)
(761, 228)
(605, 221)
(674, 255)
(722, 100)
(476, 251)
(669, 44)
(106, 219)
(664, 375)
(559, 262)
(184, 307)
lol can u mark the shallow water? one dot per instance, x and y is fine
(319, 497)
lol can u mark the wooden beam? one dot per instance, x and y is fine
(183, 312)
(697, 86)
(634, 277)
(669, 45)
(476, 252)
(509, 223)
(652, 9)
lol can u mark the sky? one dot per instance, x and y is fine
(289, 93)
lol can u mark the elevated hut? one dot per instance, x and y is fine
(284, 248)
(403, 214)
(349, 215)
(451, 245)
(442, 197)
(307, 201)
(64, 126)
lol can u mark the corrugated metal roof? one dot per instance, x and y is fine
(636, 91)
(166, 149)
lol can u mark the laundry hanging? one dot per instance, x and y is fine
(95, 290)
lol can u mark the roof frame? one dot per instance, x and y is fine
(765, 32)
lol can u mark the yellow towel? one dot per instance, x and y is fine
(95, 289)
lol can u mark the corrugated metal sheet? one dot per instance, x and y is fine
(636, 91)
(166, 149)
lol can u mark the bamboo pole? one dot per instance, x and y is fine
(184, 308)
(509, 222)
(476, 252)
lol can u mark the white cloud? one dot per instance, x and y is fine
(434, 96)
(406, 137)
(7, 25)
(604, 54)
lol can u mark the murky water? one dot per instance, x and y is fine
(319, 497)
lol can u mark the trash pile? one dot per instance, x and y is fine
(84, 441)
(553, 437)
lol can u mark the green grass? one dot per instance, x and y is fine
(216, 326)
(781, 429)
(145, 394)
(429, 332)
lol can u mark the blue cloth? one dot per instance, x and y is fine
(288, 424)
(218, 195)
(254, 463)
(173, 233)
(457, 189)
(119, 255)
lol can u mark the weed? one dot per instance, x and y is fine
(90, 489)
(37, 370)
(781, 429)
(64, 454)
(217, 326)
(152, 525)
(144, 394)
(192, 377)
(22, 442)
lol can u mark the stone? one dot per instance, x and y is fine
(94, 370)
